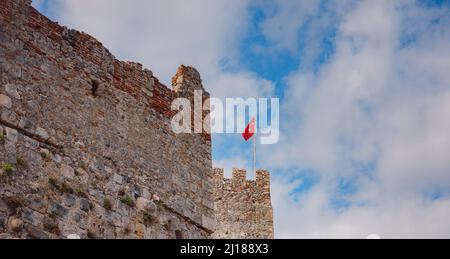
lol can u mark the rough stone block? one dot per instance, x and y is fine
(5, 101)
(208, 222)
(12, 91)
(32, 217)
(36, 233)
(59, 210)
(85, 205)
(42, 133)
(67, 172)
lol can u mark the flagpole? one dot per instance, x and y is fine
(254, 152)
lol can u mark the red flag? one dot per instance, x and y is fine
(249, 130)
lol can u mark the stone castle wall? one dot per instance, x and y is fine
(86, 145)
(86, 142)
(243, 207)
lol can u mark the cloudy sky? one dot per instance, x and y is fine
(364, 88)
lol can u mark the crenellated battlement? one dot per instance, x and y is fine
(239, 179)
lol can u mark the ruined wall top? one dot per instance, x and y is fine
(239, 179)
(186, 81)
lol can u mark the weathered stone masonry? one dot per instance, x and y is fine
(243, 207)
(86, 145)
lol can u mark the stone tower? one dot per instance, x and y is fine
(243, 208)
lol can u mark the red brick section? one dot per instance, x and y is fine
(42, 24)
(5, 12)
(162, 99)
(87, 47)
(127, 77)
(180, 71)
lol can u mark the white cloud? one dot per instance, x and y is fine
(376, 101)
(291, 24)
(311, 217)
(282, 27)
(243, 84)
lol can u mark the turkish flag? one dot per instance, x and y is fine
(249, 130)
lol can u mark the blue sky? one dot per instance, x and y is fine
(364, 92)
